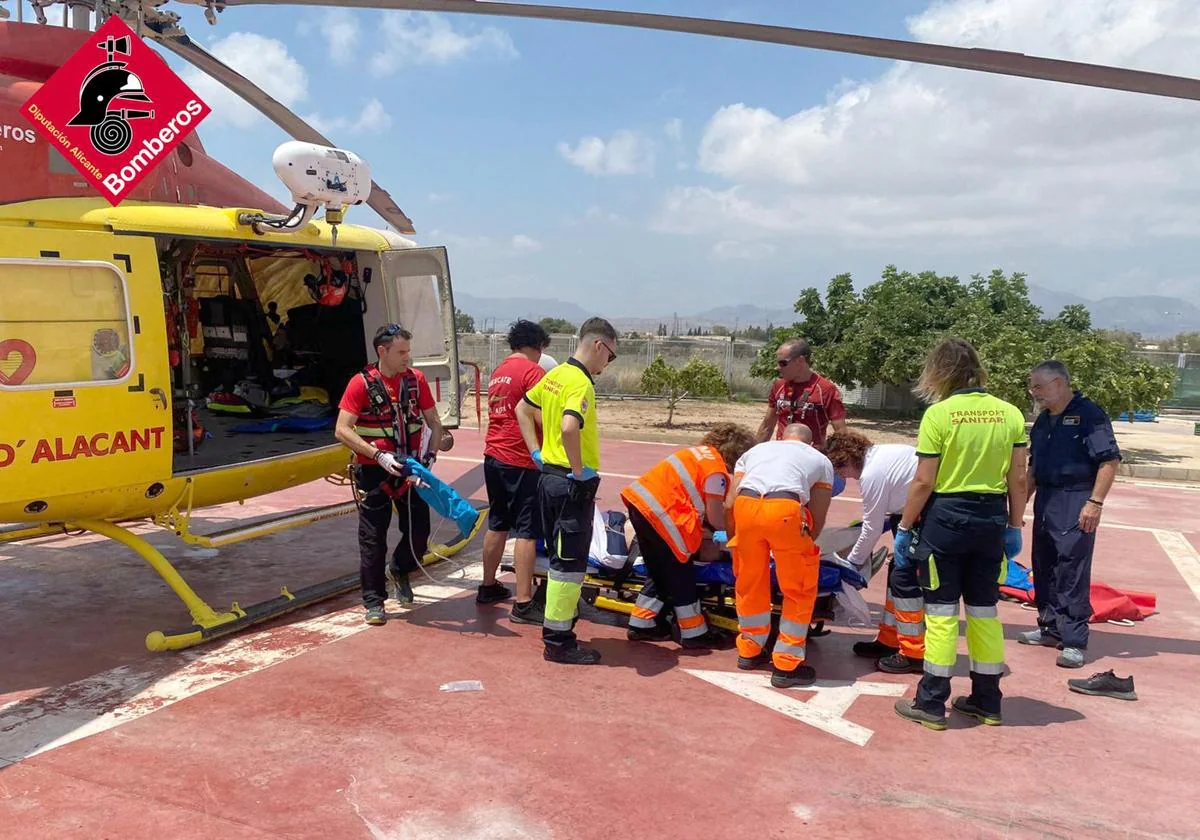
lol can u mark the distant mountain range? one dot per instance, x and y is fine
(1154, 316)
(1151, 315)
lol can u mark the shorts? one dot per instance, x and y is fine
(512, 498)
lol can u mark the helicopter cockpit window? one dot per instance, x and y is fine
(62, 323)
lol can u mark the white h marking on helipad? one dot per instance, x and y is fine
(825, 711)
(103, 701)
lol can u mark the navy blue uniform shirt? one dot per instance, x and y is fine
(1067, 451)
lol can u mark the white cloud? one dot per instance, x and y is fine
(408, 39)
(517, 245)
(266, 61)
(523, 244)
(674, 128)
(729, 249)
(339, 29)
(373, 117)
(957, 158)
(625, 153)
(439, 197)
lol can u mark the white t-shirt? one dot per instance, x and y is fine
(888, 470)
(784, 465)
(547, 362)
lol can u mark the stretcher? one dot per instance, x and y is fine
(614, 579)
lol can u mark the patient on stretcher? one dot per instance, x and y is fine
(613, 556)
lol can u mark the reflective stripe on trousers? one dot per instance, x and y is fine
(674, 538)
(645, 612)
(941, 639)
(766, 528)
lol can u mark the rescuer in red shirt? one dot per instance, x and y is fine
(381, 418)
(801, 395)
(510, 474)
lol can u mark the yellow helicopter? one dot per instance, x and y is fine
(132, 338)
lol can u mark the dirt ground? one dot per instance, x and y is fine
(1168, 442)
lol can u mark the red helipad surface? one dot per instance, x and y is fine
(318, 726)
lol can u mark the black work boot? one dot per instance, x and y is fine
(802, 676)
(577, 655)
(874, 649)
(402, 589)
(713, 637)
(376, 616)
(898, 663)
(966, 706)
(657, 633)
(1106, 684)
(908, 710)
(749, 663)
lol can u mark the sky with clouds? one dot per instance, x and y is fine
(648, 172)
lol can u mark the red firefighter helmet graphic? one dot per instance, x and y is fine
(106, 83)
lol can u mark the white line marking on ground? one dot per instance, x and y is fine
(479, 462)
(825, 710)
(1184, 555)
(103, 701)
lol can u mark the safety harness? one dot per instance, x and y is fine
(382, 406)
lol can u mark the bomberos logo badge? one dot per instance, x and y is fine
(115, 110)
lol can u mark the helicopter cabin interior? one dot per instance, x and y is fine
(262, 340)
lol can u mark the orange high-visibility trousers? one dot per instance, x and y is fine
(903, 624)
(766, 527)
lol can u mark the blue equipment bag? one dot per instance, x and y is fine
(443, 498)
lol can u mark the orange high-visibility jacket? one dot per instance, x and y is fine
(671, 496)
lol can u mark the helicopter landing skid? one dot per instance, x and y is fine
(207, 623)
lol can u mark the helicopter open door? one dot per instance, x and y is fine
(416, 285)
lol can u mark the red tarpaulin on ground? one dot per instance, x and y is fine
(1108, 603)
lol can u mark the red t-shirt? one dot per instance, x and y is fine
(815, 403)
(356, 401)
(510, 381)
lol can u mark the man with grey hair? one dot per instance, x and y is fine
(1073, 461)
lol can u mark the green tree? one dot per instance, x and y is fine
(1125, 338)
(560, 326)
(463, 322)
(1185, 342)
(697, 378)
(884, 333)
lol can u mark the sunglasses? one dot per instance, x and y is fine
(391, 329)
(612, 355)
(785, 362)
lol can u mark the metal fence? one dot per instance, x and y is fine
(623, 376)
(1187, 379)
(735, 357)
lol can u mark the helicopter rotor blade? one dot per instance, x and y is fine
(964, 58)
(379, 200)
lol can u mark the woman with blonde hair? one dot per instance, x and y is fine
(963, 516)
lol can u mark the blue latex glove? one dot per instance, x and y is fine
(720, 537)
(839, 484)
(536, 455)
(586, 474)
(901, 547)
(1012, 541)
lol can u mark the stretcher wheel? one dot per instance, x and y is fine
(817, 629)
